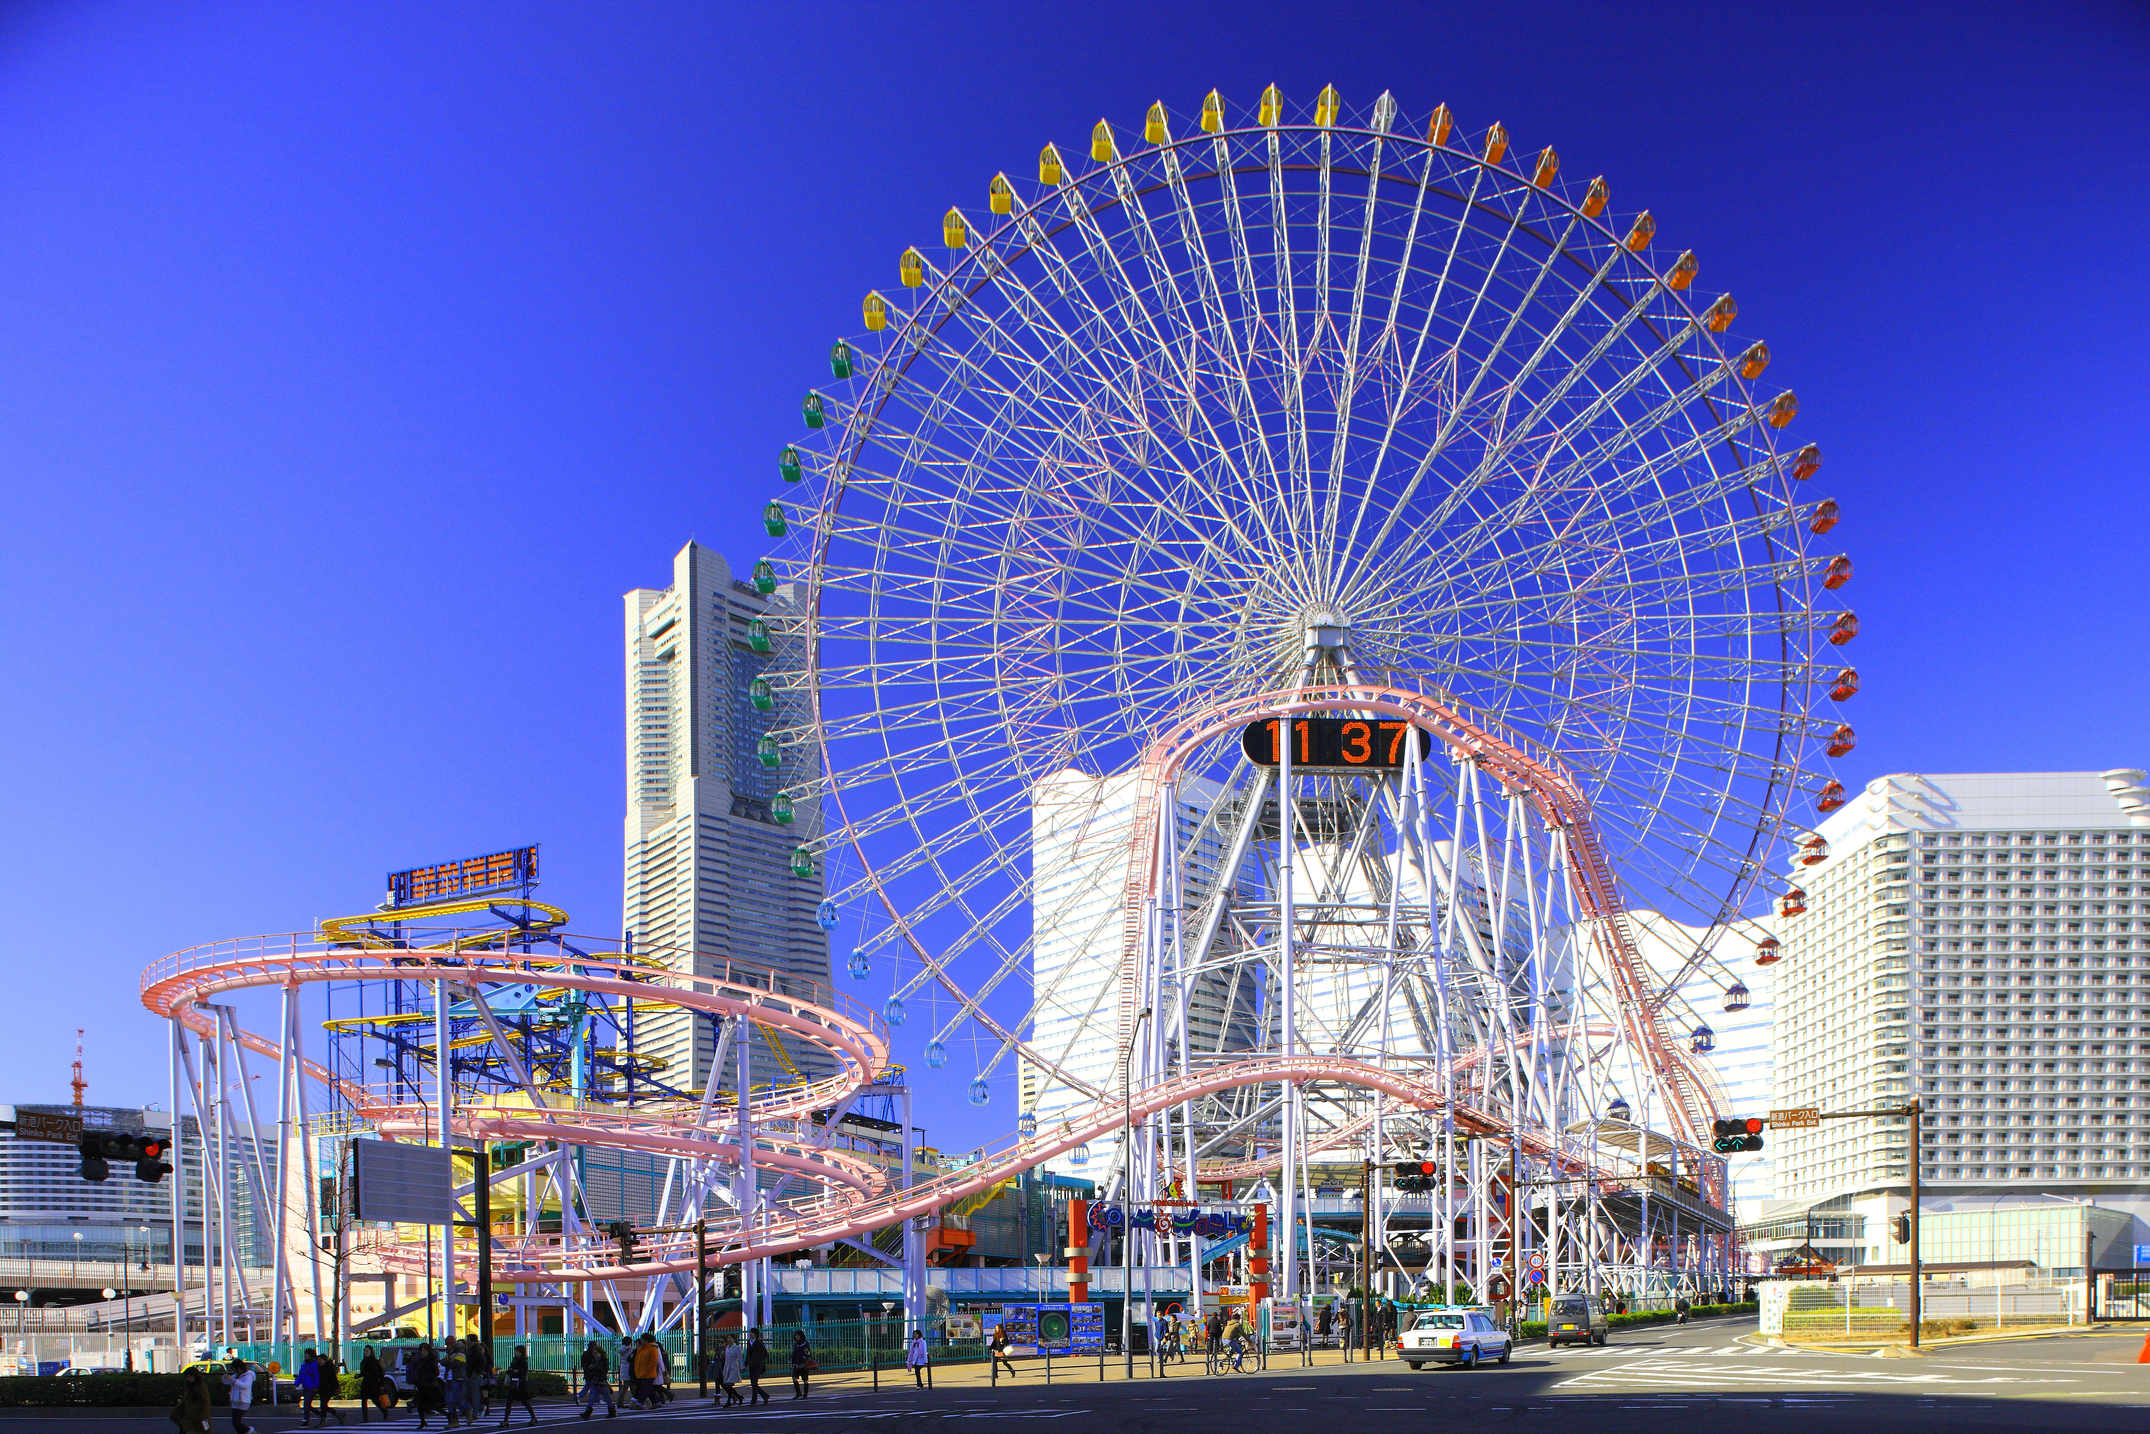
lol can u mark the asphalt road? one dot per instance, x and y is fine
(1642, 1380)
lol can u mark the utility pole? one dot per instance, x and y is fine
(1917, 1119)
(1366, 1246)
(701, 1309)
(481, 1174)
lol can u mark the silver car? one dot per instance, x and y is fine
(1454, 1336)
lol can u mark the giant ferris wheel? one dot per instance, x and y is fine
(1315, 412)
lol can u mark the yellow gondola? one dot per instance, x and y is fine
(1212, 113)
(875, 310)
(1326, 104)
(912, 267)
(1050, 169)
(1272, 108)
(954, 232)
(1000, 195)
(1101, 143)
(1153, 125)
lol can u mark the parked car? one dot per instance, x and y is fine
(1575, 1319)
(79, 1371)
(1454, 1336)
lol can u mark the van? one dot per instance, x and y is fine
(1575, 1319)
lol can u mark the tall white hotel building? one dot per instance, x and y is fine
(1981, 941)
(708, 855)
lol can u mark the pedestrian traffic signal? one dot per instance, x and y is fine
(1900, 1227)
(1414, 1176)
(1737, 1137)
(623, 1231)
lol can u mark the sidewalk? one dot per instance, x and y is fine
(1031, 1371)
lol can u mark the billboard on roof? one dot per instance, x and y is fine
(468, 877)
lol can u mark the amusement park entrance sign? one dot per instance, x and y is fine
(1332, 742)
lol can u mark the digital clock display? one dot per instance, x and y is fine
(1352, 743)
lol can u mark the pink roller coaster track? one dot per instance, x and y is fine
(855, 1197)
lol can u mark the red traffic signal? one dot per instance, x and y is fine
(1736, 1137)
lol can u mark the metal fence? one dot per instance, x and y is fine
(1854, 1310)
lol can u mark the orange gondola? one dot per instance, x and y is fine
(1845, 628)
(1683, 271)
(1828, 799)
(1845, 684)
(1825, 517)
(1806, 461)
(1792, 903)
(1815, 849)
(1841, 741)
(1837, 573)
(1767, 951)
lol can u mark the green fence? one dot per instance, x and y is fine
(838, 1346)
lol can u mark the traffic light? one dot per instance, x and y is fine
(149, 1164)
(1900, 1227)
(623, 1231)
(100, 1148)
(93, 1157)
(1737, 1137)
(1414, 1176)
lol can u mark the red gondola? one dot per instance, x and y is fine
(1766, 951)
(1845, 629)
(1837, 573)
(1846, 684)
(1792, 903)
(1825, 516)
(1814, 850)
(1841, 741)
(1806, 460)
(1828, 799)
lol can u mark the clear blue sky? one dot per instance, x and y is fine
(354, 359)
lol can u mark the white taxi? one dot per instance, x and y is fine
(1467, 1337)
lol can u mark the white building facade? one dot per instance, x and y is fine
(1981, 941)
(709, 837)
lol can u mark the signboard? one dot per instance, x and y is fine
(1346, 742)
(1800, 1117)
(47, 1125)
(463, 878)
(1061, 1328)
(2142, 1256)
(407, 1184)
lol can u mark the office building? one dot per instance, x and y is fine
(710, 834)
(1982, 941)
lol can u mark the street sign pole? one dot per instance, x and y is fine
(1913, 1111)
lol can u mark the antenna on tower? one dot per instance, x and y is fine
(78, 1082)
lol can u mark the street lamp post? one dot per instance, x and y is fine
(75, 1259)
(1127, 1196)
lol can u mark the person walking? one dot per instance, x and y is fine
(648, 1364)
(455, 1364)
(239, 1379)
(597, 1381)
(515, 1387)
(426, 1392)
(802, 1363)
(999, 1350)
(309, 1383)
(757, 1366)
(916, 1358)
(191, 1413)
(329, 1383)
(627, 1374)
(369, 1386)
(477, 1379)
(732, 1369)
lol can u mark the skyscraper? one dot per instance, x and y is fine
(709, 836)
(1982, 941)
